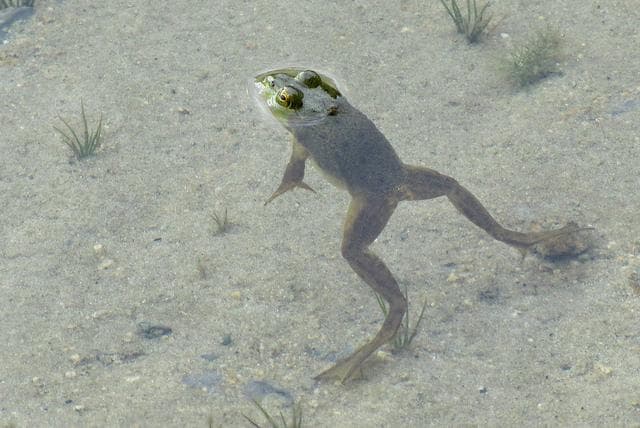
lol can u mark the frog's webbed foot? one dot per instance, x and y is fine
(342, 371)
(559, 243)
(286, 186)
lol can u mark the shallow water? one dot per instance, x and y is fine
(91, 249)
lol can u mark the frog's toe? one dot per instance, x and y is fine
(342, 372)
(564, 242)
(287, 186)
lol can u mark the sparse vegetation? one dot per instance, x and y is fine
(16, 3)
(296, 417)
(220, 222)
(536, 59)
(405, 334)
(87, 145)
(473, 23)
(201, 268)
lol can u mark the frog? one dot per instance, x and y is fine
(353, 154)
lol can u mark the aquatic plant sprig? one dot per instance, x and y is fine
(16, 3)
(87, 145)
(473, 24)
(536, 58)
(405, 334)
(221, 222)
(296, 417)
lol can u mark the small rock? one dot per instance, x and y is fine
(105, 264)
(226, 340)
(453, 277)
(208, 381)
(153, 331)
(99, 251)
(257, 390)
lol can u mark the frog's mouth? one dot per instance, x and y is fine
(266, 95)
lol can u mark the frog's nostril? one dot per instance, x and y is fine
(270, 81)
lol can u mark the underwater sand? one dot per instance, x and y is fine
(120, 306)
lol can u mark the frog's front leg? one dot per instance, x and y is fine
(366, 218)
(294, 173)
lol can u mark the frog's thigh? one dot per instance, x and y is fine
(366, 218)
(425, 183)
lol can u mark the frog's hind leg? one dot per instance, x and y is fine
(366, 218)
(424, 183)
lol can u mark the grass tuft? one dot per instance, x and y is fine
(87, 145)
(473, 23)
(405, 334)
(296, 417)
(536, 59)
(16, 3)
(221, 222)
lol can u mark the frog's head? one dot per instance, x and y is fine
(296, 96)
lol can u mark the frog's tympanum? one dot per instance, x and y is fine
(354, 155)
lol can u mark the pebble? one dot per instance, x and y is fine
(99, 250)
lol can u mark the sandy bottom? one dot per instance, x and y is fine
(121, 306)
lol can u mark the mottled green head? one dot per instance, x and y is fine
(296, 96)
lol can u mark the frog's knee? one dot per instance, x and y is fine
(423, 183)
(449, 184)
(350, 250)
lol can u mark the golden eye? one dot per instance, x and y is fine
(282, 97)
(289, 97)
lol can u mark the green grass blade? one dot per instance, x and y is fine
(84, 122)
(414, 332)
(75, 138)
(382, 304)
(71, 141)
(91, 139)
(406, 333)
(449, 11)
(472, 23)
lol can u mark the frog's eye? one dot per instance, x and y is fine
(289, 97)
(309, 78)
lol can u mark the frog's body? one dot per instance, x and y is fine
(354, 154)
